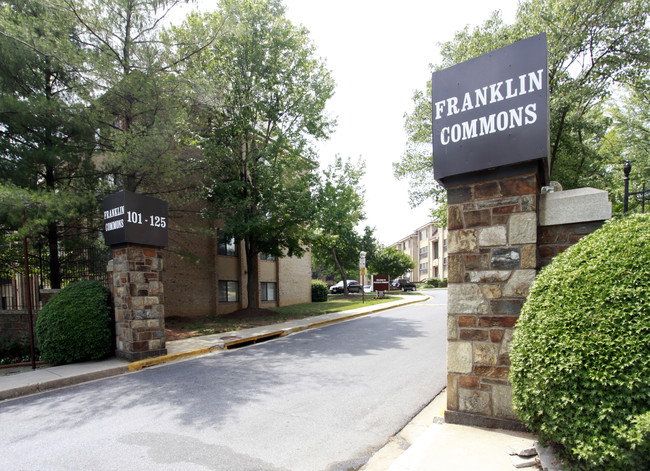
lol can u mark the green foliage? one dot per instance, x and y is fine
(14, 350)
(319, 291)
(75, 324)
(594, 47)
(339, 202)
(392, 262)
(258, 95)
(627, 139)
(580, 357)
(436, 282)
(46, 131)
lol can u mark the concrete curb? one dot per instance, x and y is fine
(61, 382)
(220, 344)
(225, 345)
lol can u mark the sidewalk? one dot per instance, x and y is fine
(425, 444)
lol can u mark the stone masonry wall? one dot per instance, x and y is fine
(137, 291)
(492, 249)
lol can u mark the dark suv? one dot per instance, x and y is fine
(404, 284)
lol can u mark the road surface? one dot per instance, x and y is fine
(322, 399)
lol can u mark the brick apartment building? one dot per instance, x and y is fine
(427, 247)
(203, 276)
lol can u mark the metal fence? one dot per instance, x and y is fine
(75, 264)
(645, 194)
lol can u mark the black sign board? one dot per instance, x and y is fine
(491, 111)
(134, 218)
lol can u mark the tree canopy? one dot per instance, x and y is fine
(392, 262)
(258, 97)
(339, 203)
(595, 48)
(46, 136)
(98, 96)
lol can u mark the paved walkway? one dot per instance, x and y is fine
(426, 443)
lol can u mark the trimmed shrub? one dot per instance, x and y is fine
(75, 324)
(319, 291)
(435, 282)
(580, 356)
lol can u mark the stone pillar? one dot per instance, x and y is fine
(492, 263)
(137, 291)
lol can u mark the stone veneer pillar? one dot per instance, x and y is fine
(137, 291)
(492, 246)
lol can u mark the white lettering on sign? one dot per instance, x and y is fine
(489, 94)
(111, 213)
(496, 122)
(111, 226)
(134, 217)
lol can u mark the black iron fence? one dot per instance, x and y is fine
(75, 264)
(645, 194)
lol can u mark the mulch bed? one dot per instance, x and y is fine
(176, 327)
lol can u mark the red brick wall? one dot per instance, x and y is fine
(553, 240)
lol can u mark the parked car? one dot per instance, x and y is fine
(404, 284)
(353, 287)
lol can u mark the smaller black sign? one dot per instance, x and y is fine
(133, 218)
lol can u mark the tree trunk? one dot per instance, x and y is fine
(252, 265)
(50, 181)
(341, 271)
(54, 263)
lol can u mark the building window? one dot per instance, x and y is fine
(424, 267)
(436, 251)
(228, 291)
(268, 291)
(424, 252)
(226, 248)
(270, 258)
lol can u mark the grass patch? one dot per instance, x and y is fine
(335, 303)
(181, 327)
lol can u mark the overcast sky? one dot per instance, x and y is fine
(379, 53)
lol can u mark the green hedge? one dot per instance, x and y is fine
(580, 357)
(436, 283)
(75, 324)
(319, 291)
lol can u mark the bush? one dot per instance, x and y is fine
(15, 350)
(435, 282)
(319, 291)
(580, 357)
(75, 324)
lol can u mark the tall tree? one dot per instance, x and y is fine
(628, 139)
(136, 107)
(392, 262)
(340, 209)
(593, 46)
(46, 138)
(258, 95)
